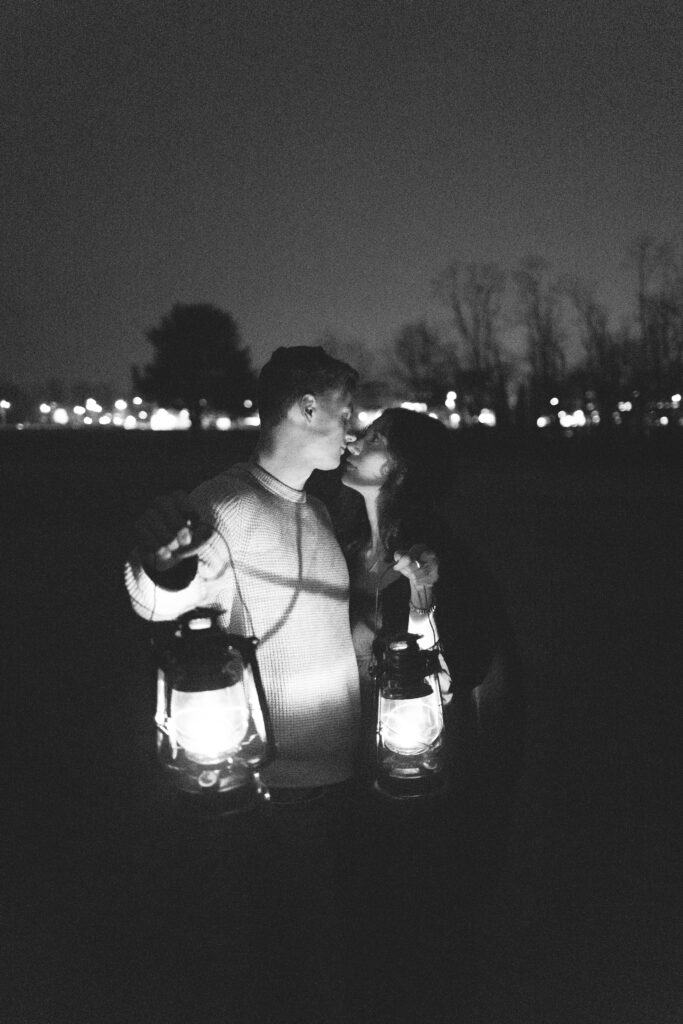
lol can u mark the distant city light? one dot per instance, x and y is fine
(676, 400)
(105, 420)
(450, 399)
(573, 419)
(120, 404)
(544, 421)
(79, 410)
(223, 423)
(664, 420)
(93, 406)
(45, 408)
(164, 419)
(4, 404)
(454, 419)
(248, 404)
(625, 406)
(137, 400)
(554, 401)
(487, 418)
(60, 417)
(414, 406)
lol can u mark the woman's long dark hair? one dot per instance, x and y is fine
(421, 478)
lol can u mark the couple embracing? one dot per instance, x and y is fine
(315, 578)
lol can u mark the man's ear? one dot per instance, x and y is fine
(307, 406)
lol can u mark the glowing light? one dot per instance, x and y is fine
(450, 399)
(454, 419)
(121, 404)
(415, 406)
(543, 421)
(223, 423)
(366, 416)
(164, 419)
(130, 422)
(487, 418)
(554, 401)
(625, 406)
(410, 726)
(210, 725)
(664, 421)
(137, 400)
(248, 404)
(676, 399)
(87, 419)
(568, 420)
(4, 404)
(595, 416)
(105, 420)
(143, 415)
(60, 417)
(79, 410)
(251, 421)
(93, 406)
(44, 408)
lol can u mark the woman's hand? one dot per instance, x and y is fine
(420, 565)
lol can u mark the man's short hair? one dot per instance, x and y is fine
(300, 370)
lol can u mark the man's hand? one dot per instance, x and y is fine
(169, 532)
(419, 564)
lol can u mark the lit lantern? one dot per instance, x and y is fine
(411, 749)
(214, 731)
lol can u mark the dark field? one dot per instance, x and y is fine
(588, 926)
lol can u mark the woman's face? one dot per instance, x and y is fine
(368, 462)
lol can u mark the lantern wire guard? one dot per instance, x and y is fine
(411, 748)
(214, 731)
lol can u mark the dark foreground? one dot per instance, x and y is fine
(113, 914)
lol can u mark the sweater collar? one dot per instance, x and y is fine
(275, 486)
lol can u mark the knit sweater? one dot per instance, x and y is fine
(274, 570)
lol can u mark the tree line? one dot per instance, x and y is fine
(200, 358)
(505, 347)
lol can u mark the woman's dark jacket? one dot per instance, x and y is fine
(474, 627)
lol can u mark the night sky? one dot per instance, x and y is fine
(312, 166)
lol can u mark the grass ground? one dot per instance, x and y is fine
(588, 925)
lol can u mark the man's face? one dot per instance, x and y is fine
(330, 428)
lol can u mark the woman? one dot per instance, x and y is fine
(408, 572)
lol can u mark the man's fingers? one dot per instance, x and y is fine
(165, 529)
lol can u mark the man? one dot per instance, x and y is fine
(252, 544)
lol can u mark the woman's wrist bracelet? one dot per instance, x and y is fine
(422, 611)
